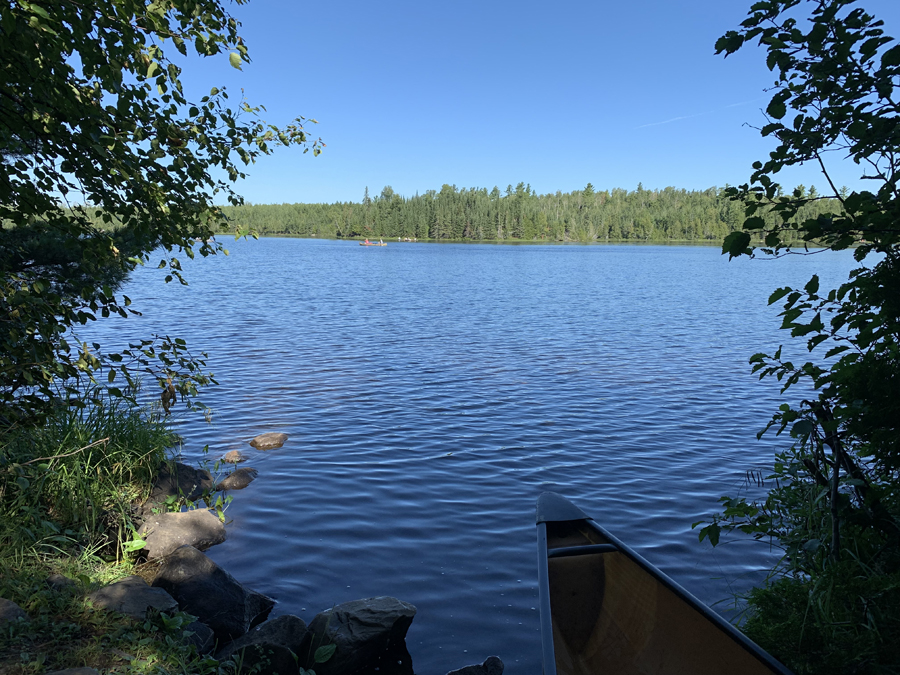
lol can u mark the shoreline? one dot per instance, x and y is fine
(170, 608)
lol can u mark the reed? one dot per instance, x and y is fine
(68, 486)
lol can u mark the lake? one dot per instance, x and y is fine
(432, 391)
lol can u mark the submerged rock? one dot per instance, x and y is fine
(274, 646)
(491, 666)
(233, 457)
(133, 597)
(164, 532)
(269, 441)
(237, 479)
(362, 631)
(207, 591)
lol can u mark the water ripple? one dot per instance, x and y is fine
(432, 392)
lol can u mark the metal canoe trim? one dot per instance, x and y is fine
(553, 508)
(547, 649)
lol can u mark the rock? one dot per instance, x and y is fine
(10, 611)
(174, 481)
(75, 671)
(180, 480)
(164, 532)
(238, 479)
(273, 645)
(60, 583)
(234, 457)
(361, 630)
(133, 597)
(269, 441)
(491, 666)
(204, 589)
(200, 635)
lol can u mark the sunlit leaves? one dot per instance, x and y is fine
(92, 110)
(832, 500)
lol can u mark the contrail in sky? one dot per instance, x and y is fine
(687, 117)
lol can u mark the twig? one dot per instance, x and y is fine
(68, 454)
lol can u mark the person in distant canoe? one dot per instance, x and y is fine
(367, 240)
(381, 241)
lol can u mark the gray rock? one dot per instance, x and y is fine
(272, 645)
(362, 630)
(201, 636)
(10, 611)
(133, 597)
(238, 479)
(60, 583)
(269, 441)
(204, 589)
(491, 666)
(180, 480)
(164, 532)
(75, 671)
(233, 457)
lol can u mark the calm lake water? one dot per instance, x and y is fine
(432, 392)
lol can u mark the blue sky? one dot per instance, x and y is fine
(476, 94)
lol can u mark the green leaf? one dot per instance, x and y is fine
(729, 43)
(813, 286)
(779, 294)
(133, 545)
(776, 108)
(801, 429)
(324, 653)
(735, 244)
(235, 59)
(712, 531)
(891, 57)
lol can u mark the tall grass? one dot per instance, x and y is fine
(69, 485)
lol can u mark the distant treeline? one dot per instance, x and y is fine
(518, 213)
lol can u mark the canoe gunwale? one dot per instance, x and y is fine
(549, 658)
(615, 546)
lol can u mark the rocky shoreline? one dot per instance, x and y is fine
(360, 637)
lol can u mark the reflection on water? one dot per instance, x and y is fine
(431, 392)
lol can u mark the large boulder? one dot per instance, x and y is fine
(133, 597)
(362, 631)
(10, 611)
(274, 646)
(204, 589)
(237, 479)
(492, 666)
(164, 532)
(269, 441)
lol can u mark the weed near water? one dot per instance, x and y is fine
(66, 495)
(69, 485)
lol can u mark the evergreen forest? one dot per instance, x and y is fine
(520, 213)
